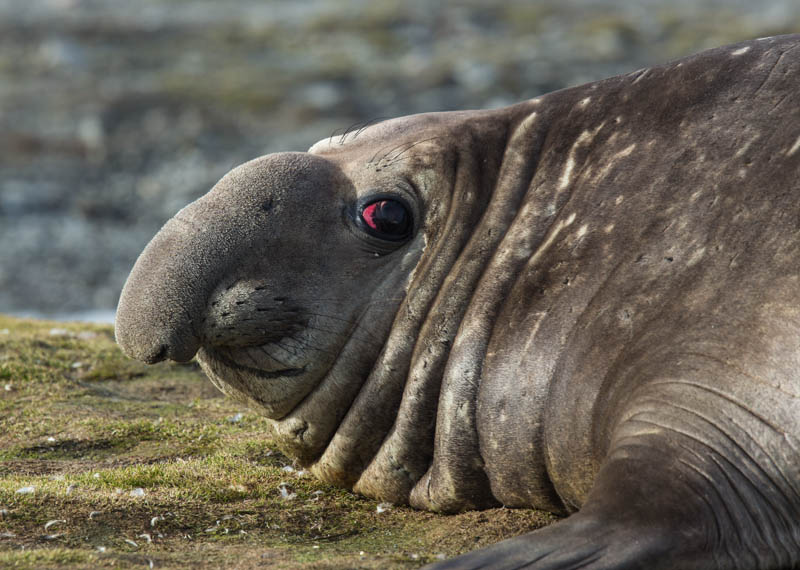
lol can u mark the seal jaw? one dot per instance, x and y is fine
(210, 354)
(276, 392)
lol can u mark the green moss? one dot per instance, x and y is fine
(122, 452)
(43, 558)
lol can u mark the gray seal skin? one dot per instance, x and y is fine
(587, 303)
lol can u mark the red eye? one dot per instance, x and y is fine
(387, 219)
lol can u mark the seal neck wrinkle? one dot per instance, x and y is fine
(500, 246)
(445, 281)
(413, 338)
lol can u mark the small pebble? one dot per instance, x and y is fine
(236, 419)
(154, 520)
(48, 524)
(96, 475)
(137, 492)
(59, 332)
(286, 494)
(53, 536)
(101, 549)
(383, 507)
(131, 543)
(288, 469)
(51, 439)
(145, 536)
(7, 535)
(3, 513)
(25, 490)
(8, 387)
(94, 514)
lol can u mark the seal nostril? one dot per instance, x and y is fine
(158, 356)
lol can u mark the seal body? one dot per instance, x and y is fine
(587, 303)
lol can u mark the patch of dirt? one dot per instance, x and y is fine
(179, 390)
(39, 467)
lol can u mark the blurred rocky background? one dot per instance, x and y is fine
(116, 113)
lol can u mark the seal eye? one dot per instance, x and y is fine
(387, 219)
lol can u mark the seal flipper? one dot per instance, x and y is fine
(621, 529)
(679, 488)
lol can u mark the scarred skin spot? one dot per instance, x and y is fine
(536, 306)
(794, 148)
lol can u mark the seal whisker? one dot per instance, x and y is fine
(263, 349)
(374, 156)
(406, 144)
(357, 128)
(402, 152)
(393, 149)
(368, 124)
(368, 303)
(353, 323)
(363, 337)
(337, 353)
(352, 333)
(293, 350)
(333, 134)
(251, 358)
(346, 132)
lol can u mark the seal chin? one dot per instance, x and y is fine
(230, 362)
(274, 390)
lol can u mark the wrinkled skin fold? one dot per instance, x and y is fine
(588, 303)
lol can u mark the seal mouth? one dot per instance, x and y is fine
(216, 357)
(273, 387)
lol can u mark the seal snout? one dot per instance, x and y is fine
(164, 298)
(183, 292)
(144, 336)
(159, 354)
(155, 350)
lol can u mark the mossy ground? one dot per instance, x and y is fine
(105, 462)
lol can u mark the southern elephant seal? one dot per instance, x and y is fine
(590, 300)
